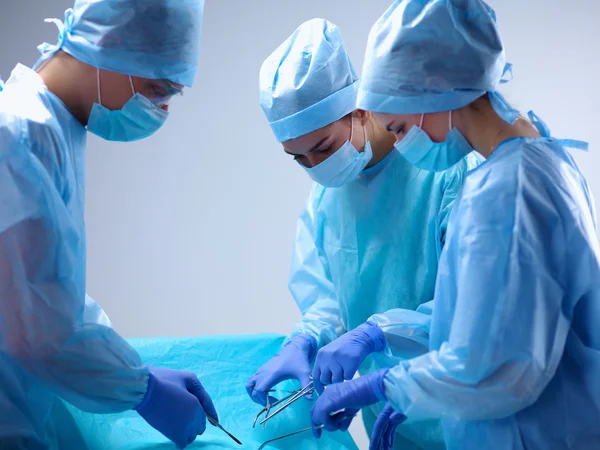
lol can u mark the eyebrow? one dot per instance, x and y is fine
(311, 150)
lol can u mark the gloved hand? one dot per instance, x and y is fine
(341, 359)
(339, 403)
(291, 363)
(176, 404)
(384, 430)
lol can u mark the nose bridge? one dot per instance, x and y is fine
(316, 158)
(312, 160)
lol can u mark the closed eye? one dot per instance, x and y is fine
(300, 159)
(325, 150)
(396, 130)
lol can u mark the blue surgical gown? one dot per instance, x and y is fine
(370, 250)
(515, 343)
(54, 340)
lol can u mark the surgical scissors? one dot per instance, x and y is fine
(284, 402)
(306, 390)
(267, 408)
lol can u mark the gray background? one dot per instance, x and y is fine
(190, 232)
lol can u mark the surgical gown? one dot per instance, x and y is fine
(368, 248)
(54, 340)
(515, 343)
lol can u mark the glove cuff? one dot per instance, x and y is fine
(149, 392)
(372, 330)
(378, 384)
(307, 342)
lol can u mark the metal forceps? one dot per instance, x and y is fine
(267, 408)
(306, 390)
(283, 403)
(304, 430)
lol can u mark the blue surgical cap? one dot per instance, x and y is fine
(156, 39)
(308, 82)
(427, 56)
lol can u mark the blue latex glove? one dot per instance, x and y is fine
(384, 430)
(339, 403)
(176, 404)
(341, 359)
(291, 363)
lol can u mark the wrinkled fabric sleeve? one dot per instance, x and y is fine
(310, 282)
(454, 179)
(508, 328)
(407, 332)
(47, 325)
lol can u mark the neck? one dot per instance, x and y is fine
(382, 141)
(486, 130)
(71, 81)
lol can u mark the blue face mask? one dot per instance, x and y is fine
(418, 148)
(138, 119)
(343, 166)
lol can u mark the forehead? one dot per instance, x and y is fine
(304, 143)
(387, 119)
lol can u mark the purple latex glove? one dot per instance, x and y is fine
(176, 404)
(291, 363)
(384, 430)
(341, 359)
(339, 403)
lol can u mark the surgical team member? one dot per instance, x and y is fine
(115, 68)
(370, 236)
(514, 359)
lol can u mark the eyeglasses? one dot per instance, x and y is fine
(164, 92)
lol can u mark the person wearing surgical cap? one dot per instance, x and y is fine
(116, 66)
(514, 348)
(369, 238)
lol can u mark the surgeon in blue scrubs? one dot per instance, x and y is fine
(514, 360)
(368, 241)
(113, 72)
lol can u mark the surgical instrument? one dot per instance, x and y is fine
(219, 426)
(306, 390)
(304, 430)
(269, 406)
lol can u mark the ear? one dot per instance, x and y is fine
(364, 116)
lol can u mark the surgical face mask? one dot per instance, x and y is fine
(138, 119)
(343, 166)
(418, 148)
